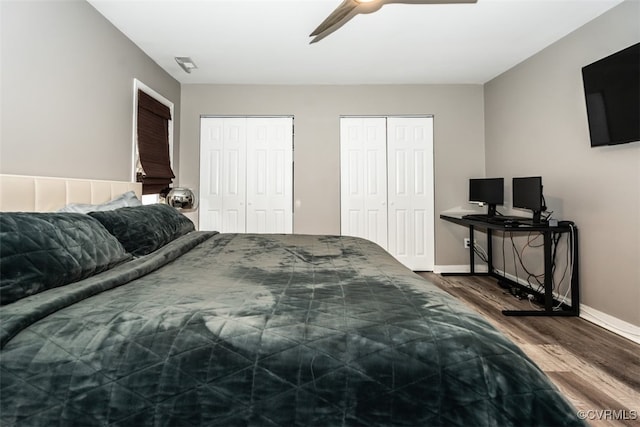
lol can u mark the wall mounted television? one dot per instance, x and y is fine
(612, 95)
(489, 191)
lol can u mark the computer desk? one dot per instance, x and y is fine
(547, 232)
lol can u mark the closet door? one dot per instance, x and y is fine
(363, 168)
(386, 195)
(270, 175)
(410, 191)
(246, 174)
(223, 159)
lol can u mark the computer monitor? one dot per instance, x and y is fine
(489, 191)
(527, 194)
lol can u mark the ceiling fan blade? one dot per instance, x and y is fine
(346, 8)
(350, 8)
(429, 1)
(334, 27)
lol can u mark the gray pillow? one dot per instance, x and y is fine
(124, 200)
(143, 229)
(39, 251)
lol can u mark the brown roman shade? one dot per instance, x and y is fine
(153, 145)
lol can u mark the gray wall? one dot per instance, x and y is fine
(458, 140)
(67, 91)
(536, 124)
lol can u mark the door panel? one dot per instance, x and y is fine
(410, 152)
(269, 166)
(234, 176)
(210, 153)
(363, 195)
(222, 174)
(210, 188)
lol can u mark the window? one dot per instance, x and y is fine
(153, 129)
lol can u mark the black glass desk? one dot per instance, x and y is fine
(561, 308)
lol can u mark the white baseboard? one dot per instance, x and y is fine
(448, 269)
(610, 323)
(606, 321)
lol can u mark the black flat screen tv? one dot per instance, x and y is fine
(612, 94)
(489, 191)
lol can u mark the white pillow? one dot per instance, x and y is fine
(124, 200)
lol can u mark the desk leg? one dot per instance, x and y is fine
(490, 250)
(575, 278)
(472, 267)
(472, 263)
(548, 273)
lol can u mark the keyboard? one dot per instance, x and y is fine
(499, 219)
(476, 217)
(495, 218)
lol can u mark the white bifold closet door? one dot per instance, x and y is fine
(246, 174)
(387, 185)
(363, 179)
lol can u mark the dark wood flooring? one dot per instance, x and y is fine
(597, 370)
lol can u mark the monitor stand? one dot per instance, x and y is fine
(537, 217)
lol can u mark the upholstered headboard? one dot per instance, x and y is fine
(47, 194)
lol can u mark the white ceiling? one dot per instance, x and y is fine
(266, 41)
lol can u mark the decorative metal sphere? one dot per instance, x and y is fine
(182, 199)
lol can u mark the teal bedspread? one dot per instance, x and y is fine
(263, 330)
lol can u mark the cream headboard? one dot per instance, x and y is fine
(45, 194)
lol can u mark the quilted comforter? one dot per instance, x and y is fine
(263, 330)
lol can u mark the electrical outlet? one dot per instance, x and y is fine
(467, 243)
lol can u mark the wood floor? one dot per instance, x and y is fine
(598, 371)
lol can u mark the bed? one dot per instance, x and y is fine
(165, 325)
